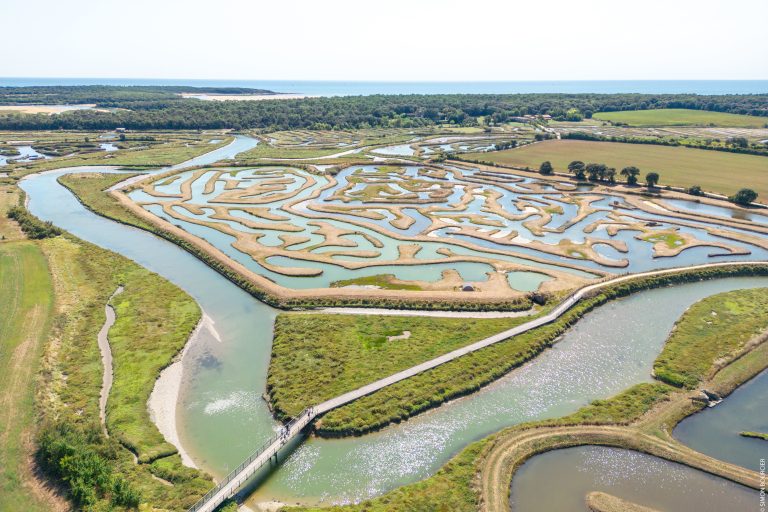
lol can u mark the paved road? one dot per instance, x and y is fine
(228, 487)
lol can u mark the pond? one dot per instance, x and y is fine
(633, 476)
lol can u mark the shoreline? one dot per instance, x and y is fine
(164, 399)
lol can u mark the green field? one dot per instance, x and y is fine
(714, 171)
(349, 351)
(26, 306)
(711, 329)
(681, 117)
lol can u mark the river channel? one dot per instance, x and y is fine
(222, 417)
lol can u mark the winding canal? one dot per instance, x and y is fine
(221, 415)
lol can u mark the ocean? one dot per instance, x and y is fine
(353, 88)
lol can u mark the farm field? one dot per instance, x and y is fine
(26, 301)
(714, 171)
(681, 117)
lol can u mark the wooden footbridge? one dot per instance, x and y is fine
(232, 482)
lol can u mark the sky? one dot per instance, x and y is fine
(398, 40)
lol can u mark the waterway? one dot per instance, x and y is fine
(222, 418)
(715, 431)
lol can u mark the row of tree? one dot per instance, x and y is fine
(601, 172)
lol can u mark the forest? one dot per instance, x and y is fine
(147, 108)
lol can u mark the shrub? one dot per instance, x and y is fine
(744, 197)
(33, 227)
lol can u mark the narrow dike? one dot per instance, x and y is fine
(106, 359)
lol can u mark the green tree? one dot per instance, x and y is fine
(695, 190)
(546, 167)
(744, 197)
(631, 173)
(652, 179)
(573, 114)
(594, 171)
(577, 168)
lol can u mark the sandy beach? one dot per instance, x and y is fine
(165, 396)
(45, 109)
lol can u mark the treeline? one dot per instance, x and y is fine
(142, 111)
(110, 95)
(732, 145)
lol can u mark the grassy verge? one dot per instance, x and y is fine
(90, 192)
(461, 376)
(681, 117)
(154, 319)
(712, 329)
(712, 170)
(26, 302)
(344, 352)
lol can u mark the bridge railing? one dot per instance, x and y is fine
(304, 417)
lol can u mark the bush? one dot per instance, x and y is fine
(744, 197)
(84, 461)
(33, 227)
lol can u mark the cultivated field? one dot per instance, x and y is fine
(714, 171)
(681, 117)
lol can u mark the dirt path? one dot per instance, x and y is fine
(106, 359)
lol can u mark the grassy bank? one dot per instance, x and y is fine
(433, 387)
(713, 171)
(344, 352)
(756, 435)
(681, 117)
(712, 329)
(26, 302)
(154, 319)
